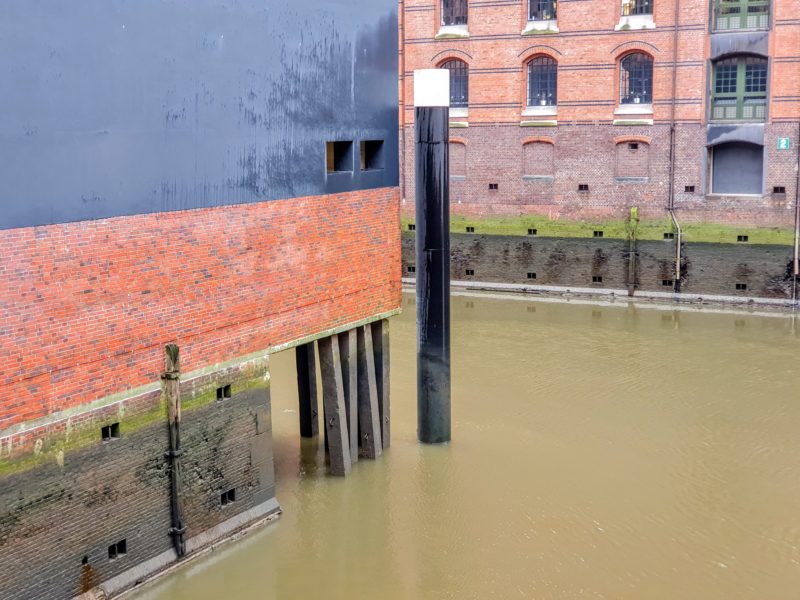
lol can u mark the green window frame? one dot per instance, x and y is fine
(741, 14)
(739, 89)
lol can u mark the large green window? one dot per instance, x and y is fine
(739, 91)
(741, 14)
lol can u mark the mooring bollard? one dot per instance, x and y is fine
(432, 114)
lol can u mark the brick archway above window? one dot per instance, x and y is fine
(635, 45)
(625, 139)
(457, 140)
(539, 49)
(446, 55)
(539, 140)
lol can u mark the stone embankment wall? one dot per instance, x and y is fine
(719, 269)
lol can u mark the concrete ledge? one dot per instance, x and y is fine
(201, 544)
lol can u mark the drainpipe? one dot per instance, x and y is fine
(796, 269)
(402, 106)
(671, 194)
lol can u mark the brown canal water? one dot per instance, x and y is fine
(613, 452)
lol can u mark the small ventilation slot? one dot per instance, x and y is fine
(224, 392)
(633, 146)
(533, 232)
(689, 189)
(470, 272)
(412, 227)
(597, 234)
(779, 190)
(669, 235)
(117, 550)
(470, 230)
(110, 432)
(597, 279)
(411, 269)
(667, 283)
(742, 239)
(493, 186)
(741, 287)
(531, 275)
(228, 497)
(583, 187)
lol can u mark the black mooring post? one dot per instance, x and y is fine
(432, 99)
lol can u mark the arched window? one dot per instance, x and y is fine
(541, 10)
(636, 79)
(454, 12)
(741, 14)
(459, 82)
(542, 81)
(739, 91)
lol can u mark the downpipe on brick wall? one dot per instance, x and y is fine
(796, 269)
(676, 286)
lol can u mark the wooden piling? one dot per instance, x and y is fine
(335, 415)
(368, 412)
(171, 387)
(307, 390)
(380, 343)
(348, 353)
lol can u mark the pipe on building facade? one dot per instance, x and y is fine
(676, 286)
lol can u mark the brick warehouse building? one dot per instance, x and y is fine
(566, 109)
(220, 175)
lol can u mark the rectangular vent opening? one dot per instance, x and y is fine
(470, 305)
(742, 239)
(668, 235)
(741, 287)
(118, 550)
(411, 269)
(583, 187)
(470, 272)
(412, 227)
(633, 146)
(372, 155)
(531, 309)
(779, 189)
(533, 232)
(689, 189)
(597, 279)
(531, 275)
(597, 234)
(470, 230)
(667, 283)
(339, 157)
(224, 392)
(493, 186)
(228, 497)
(110, 432)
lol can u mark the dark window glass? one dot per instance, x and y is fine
(454, 12)
(636, 79)
(542, 81)
(725, 81)
(637, 7)
(541, 10)
(459, 83)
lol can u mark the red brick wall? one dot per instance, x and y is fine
(88, 307)
(588, 49)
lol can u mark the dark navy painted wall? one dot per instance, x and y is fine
(119, 107)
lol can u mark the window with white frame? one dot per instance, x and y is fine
(636, 79)
(542, 10)
(542, 81)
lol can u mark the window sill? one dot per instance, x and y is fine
(631, 180)
(459, 112)
(540, 27)
(458, 177)
(631, 122)
(543, 178)
(635, 22)
(540, 111)
(634, 109)
(459, 124)
(548, 123)
(449, 32)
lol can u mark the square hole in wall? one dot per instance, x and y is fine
(469, 305)
(668, 235)
(470, 272)
(597, 234)
(531, 275)
(667, 283)
(470, 230)
(110, 432)
(533, 231)
(412, 227)
(742, 239)
(493, 186)
(689, 189)
(531, 308)
(228, 497)
(117, 550)
(597, 279)
(583, 187)
(779, 190)
(224, 392)
(411, 269)
(741, 287)
(339, 157)
(372, 155)
(633, 145)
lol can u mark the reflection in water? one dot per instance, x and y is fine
(607, 451)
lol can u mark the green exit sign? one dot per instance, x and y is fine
(784, 144)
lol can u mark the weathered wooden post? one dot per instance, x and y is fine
(333, 401)
(307, 390)
(171, 385)
(369, 425)
(432, 114)
(348, 354)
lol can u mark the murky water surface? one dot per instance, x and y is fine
(598, 452)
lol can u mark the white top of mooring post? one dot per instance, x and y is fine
(432, 87)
